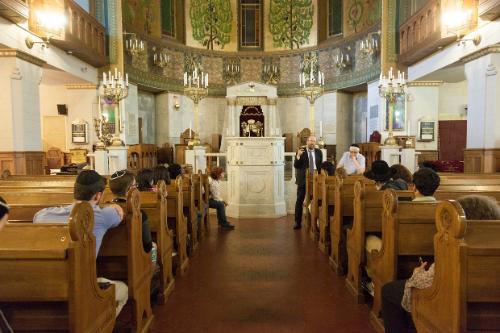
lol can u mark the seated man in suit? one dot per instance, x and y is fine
(305, 161)
(352, 161)
(89, 186)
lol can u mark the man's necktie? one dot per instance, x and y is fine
(311, 163)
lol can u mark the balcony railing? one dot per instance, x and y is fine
(82, 35)
(424, 32)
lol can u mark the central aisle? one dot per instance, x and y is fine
(262, 277)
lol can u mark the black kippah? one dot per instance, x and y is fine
(89, 177)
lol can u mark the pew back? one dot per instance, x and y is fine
(61, 292)
(465, 294)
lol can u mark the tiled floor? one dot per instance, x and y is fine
(262, 277)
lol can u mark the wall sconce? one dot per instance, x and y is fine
(458, 22)
(177, 104)
(160, 58)
(369, 46)
(51, 23)
(133, 45)
(271, 72)
(343, 59)
(30, 42)
(231, 71)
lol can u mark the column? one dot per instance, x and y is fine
(273, 118)
(483, 119)
(231, 118)
(20, 125)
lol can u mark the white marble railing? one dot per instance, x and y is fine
(289, 157)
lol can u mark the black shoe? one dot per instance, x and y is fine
(296, 226)
(227, 227)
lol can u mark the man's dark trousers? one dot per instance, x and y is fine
(299, 204)
(302, 166)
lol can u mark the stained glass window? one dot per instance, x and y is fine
(334, 17)
(250, 23)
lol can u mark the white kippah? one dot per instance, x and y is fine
(4, 205)
(356, 149)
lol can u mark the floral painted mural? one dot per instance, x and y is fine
(290, 22)
(211, 21)
(360, 15)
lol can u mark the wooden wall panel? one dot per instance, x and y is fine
(23, 163)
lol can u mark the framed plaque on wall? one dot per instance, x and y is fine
(426, 131)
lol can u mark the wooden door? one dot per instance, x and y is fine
(452, 140)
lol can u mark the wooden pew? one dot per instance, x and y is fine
(465, 294)
(314, 206)
(122, 254)
(201, 197)
(189, 210)
(46, 199)
(327, 195)
(48, 278)
(154, 205)
(177, 222)
(122, 257)
(407, 231)
(367, 218)
(344, 196)
(306, 214)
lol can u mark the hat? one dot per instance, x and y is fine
(380, 171)
(90, 177)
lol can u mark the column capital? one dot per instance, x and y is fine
(481, 53)
(13, 53)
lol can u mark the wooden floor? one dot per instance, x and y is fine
(262, 277)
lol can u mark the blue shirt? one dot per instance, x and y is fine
(104, 219)
(348, 163)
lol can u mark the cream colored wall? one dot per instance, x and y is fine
(453, 101)
(344, 122)
(294, 116)
(19, 111)
(7, 70)
(81, 103)
(171, 121)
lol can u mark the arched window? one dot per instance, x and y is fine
(334, 17)
(250, 24)
(168, 17)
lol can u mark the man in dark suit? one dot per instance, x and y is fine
(307, 159)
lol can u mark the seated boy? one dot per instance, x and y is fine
(89, 186)
(120, 183)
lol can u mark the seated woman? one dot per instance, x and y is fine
(145, 180)
(120, 183)
(396, 295)
(161, 173)
(216, 200)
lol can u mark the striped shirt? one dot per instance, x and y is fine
(215, 189)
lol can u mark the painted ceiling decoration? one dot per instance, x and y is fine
(211, 21)
(290, 22)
